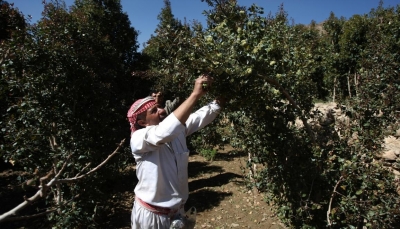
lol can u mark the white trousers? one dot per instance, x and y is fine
(142, 218)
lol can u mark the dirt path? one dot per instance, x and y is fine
(218, 192)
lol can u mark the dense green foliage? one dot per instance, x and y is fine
(68, 80)
(68, 84)
(317, 175)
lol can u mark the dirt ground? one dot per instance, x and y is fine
(217, 190)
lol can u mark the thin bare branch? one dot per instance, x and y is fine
(78, 174)
(64, 166)
(58, 195)
(42, 192)
(71, 180)
(43, 186)
(19, 218)
(330, 201)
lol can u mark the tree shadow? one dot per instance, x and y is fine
(197, 168)
(215, 181)
(229, 155)
(206, 199)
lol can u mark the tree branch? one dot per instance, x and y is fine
(44, 187)
(18, 218)
(330, 201)
(291, 100)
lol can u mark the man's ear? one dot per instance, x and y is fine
(142, 122)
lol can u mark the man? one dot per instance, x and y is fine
(158, 144)
(169, 105)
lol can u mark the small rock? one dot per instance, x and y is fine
(396, 166)
(397, 152)
(397, 133)
(389, 155)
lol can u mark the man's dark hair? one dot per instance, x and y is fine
(140, 116)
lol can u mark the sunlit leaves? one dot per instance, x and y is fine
(261, 63)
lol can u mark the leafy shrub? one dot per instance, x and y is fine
(208, 154)
(317, 176)
(67, 86)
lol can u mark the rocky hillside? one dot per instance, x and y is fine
(391, 154)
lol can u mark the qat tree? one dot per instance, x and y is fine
(352, 43)
(156, 50)
(312, 36)
(248, 55)
(261, 65)
(11, 20)
(333, 28)
(69, 84)
(347, 41)
(12, 23)
(167, 22)
(316, 175)
(365, 192)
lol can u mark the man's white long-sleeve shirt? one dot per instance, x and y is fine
(162, 157)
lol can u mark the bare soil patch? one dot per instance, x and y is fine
(219, 193)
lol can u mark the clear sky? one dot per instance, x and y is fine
(143, 13)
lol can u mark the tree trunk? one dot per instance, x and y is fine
(348, 83)
(355, 83)
(334, 89)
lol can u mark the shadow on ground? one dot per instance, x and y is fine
(198, 168)
(215, 181)
(229, 156)
(206, 199)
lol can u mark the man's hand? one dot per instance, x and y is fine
(158, 97)
(183, 111)
(202, 84)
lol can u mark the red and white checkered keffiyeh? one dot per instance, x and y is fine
(137, 108)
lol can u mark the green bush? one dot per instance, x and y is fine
(208, 154)
(316, 175)
(67, 86)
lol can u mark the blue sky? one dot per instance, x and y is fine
(143, 13)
